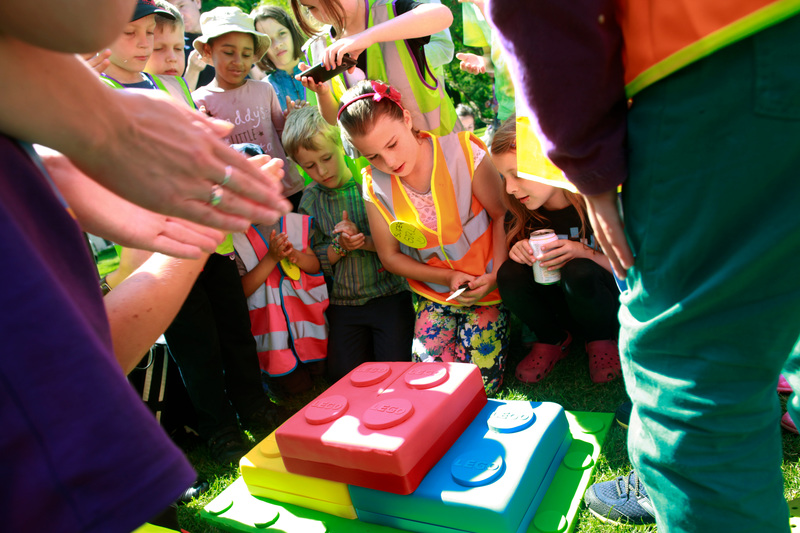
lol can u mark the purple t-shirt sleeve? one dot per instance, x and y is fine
(566, 60)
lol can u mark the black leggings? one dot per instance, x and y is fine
(585, 302)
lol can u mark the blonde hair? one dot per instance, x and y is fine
(302, 125)
(523, 220)
(162, 21)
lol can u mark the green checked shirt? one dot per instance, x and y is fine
(359, 276)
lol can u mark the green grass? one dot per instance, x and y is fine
(568, 385)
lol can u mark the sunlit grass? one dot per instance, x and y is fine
(569, 385)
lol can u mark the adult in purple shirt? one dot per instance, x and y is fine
(81, 452)
(709, 156)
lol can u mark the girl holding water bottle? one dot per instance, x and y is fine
(584, 301)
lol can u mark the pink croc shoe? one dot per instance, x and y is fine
(604, 363)
(541, 360)
(783, 385)
(788, 424)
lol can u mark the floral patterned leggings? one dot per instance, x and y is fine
(477, 334)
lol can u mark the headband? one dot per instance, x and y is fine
(380, 91)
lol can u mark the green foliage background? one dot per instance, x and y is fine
(463, 87)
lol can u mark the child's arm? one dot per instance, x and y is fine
(487, 187)
(279, 247)
(194, 66)
(306, 260)
(396, 262)
(422, 21)
(275, 110)
(326, 101)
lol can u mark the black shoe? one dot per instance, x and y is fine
(623, 414)
(227, 446)
(199, 487)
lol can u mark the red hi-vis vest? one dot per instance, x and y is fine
(663, 37)
(463, 240)
(287, 316)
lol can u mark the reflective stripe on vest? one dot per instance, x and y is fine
(663, 37)
(287, 317)
(422, 94)
(462, 243)
(175, 86)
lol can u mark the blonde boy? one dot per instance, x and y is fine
(371, 317)
(167, 57)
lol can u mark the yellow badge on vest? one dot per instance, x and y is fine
(291, 270)
(408, 234)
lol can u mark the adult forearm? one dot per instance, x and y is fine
(60, 120)
(142, 307)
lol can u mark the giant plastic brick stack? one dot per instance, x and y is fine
(417, 447)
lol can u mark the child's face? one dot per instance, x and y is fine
(232, 55)
(326, 165)
(168, 57)
(468, 122)
(281, 52)
(190, 11)
(531, 194)
(390, 146)
(132, 49)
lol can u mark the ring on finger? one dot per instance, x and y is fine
(228, 174)
(216, 195)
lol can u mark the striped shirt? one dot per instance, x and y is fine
(359, 276)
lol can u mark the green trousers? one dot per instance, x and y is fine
(712, 314)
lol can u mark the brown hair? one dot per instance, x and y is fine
(358, 117)
(332, 7)
(523, 220)
(264, 12)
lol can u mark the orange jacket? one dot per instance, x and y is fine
(662, 37)
(463, 239)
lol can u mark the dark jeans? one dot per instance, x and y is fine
(211, 342)
(380, 330)
(585, 302)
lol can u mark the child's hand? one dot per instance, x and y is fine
(472, 63)
(558, 253)
(98, 62)
(195, 62)
(352, 45)
(309, 83)
(292, 105)
(279, 245)
(478, 288)
(522, 253)
(351, 242)
(345, 225)
(458, 278)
